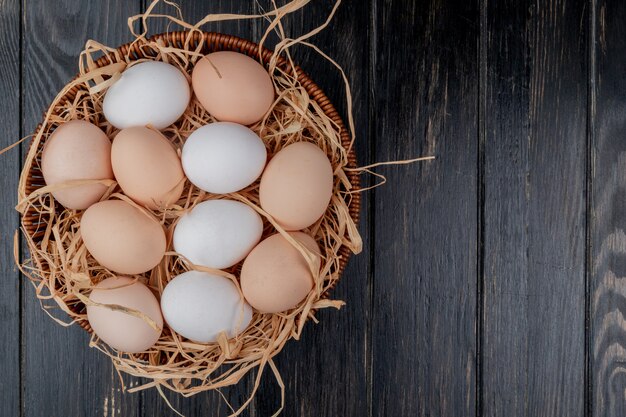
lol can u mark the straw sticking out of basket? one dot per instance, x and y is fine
(62, 270)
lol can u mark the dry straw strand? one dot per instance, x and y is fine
(61, 269)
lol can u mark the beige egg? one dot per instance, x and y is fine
(233, 87)
(297, 185)
(122, 238)
(77, 150)
(147, 167)
(275, 276)
(120, 330)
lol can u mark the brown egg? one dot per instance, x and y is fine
(233, 87)
(77, 150)
(122, 238)
(297, 185)
(147, 167)
(120, 330)
(275, 276)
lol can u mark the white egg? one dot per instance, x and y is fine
(199, 306)
(218, 233)
(150, 93)
(223, 157)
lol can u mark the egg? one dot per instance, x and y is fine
(297, 185)
(149, 93)
(217, 233)
(120, 330)
(77, 150)
(223, 157)
(233, 87)
(122, 238)
(275, 277)
(199, 306)
(147, 167)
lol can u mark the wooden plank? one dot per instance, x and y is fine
(62, 375)
(608, 220)
(325, 373)
(425, 84)
(534, 209)
(9, 219)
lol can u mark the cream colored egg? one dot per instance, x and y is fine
(217, 233)
(151, 93)
(223, 157)
(233, 87)
(297, 185)
(122, 238)
(147, 167)
(120, 330)
(199, 306)
(77, 150)
(275, 277)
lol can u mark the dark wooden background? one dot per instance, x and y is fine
(492, 281)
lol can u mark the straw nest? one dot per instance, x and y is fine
(63, 272)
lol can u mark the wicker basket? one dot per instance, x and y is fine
(33, 223)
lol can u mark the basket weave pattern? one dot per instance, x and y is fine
(34, 223)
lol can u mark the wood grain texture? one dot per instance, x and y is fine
(608, 219)
(424, 247)
(534, 227)
(469, 298)
(62, 375)
(9, 219)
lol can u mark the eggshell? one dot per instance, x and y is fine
(122, 238)
(120, 330)
(297, 185)
(233, 87)
(223, 157)
(217, 233)
(77, 150)
(275, 276)
(149, 93)
(147, 167)
(199, 306)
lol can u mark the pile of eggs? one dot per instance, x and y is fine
(219, 158)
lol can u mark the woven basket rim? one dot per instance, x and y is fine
(213, 41)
